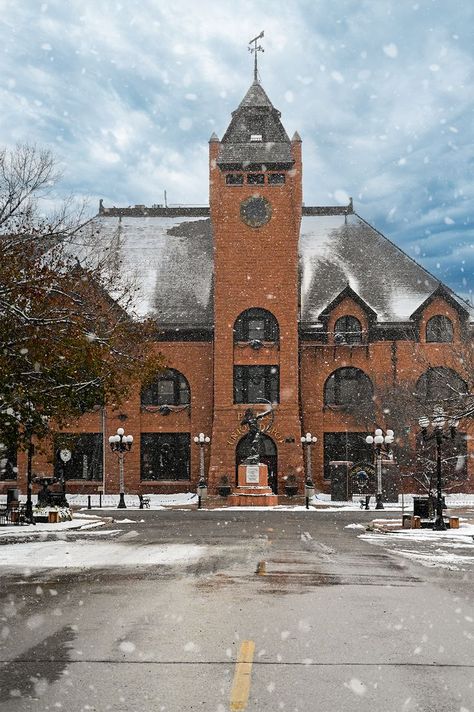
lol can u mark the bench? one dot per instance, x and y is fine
(144, 501)
(56, 499)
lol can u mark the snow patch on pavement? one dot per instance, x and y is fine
(87, 554)
(430, 545)
(79, 521)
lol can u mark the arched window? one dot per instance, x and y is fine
(440, 384)
(169, 388)
(256, 325)
(439, 329)
(348, 330)
(347, 386)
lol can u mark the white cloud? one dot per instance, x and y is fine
(382, 97)
(391, 50)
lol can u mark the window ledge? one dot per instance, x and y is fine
(263, 344)
(164, 482)
(164, 409)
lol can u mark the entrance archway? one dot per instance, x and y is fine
(268, 456)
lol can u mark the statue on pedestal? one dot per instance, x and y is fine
(252, 421)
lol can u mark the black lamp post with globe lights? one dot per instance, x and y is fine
(378, 439)
(121, 444)
(201, 440)
(438, 434)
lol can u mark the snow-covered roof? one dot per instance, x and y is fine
(339, 250)
(171, 261)
(255, 116)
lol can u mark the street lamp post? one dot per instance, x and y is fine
(201, 440)
(65, 457)
(377, 440)
(308, 441)
(29, 479)
(29, 420)
(438, 434)
(121, 444)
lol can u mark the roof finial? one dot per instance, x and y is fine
(256, 48)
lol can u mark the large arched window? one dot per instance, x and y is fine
(348, 330)
(169, 388)
(439, 329)
(348, 386)
(440, 384)
(256, 325)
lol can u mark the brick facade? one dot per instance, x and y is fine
(259, 267)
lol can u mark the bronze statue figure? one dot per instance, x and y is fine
(251, 420)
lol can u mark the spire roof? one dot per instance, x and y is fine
(255, 135)
(256, 96)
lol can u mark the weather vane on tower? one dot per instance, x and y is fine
(256, 48)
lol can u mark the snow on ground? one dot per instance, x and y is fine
(451, 549)
(110, 501)
(319, 501)
(96, 554)
(325, 502)
(80, 521)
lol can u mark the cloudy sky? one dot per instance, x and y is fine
(128, 93)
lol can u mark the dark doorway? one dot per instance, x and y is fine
(345, 447)
(268, 457)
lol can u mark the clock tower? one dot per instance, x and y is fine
(255, 207)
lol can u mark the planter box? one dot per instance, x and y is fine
(224, 491)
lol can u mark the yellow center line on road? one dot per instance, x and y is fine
(241, 685)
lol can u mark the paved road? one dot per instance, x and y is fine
(333, 624)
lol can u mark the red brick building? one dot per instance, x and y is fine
(259, 296)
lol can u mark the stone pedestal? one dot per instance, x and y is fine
(252, 488)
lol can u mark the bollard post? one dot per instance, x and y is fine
(100, 500)
(89, 506)
(261, 568)
(199, 501)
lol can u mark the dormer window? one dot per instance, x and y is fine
(255, 137)
(439, 329)
(347, 330)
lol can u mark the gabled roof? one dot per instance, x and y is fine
(255, 116)
(169, 254)
(347, 292)
(444, 293)
(337, 250)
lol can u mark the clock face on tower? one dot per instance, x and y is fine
(255, 211)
